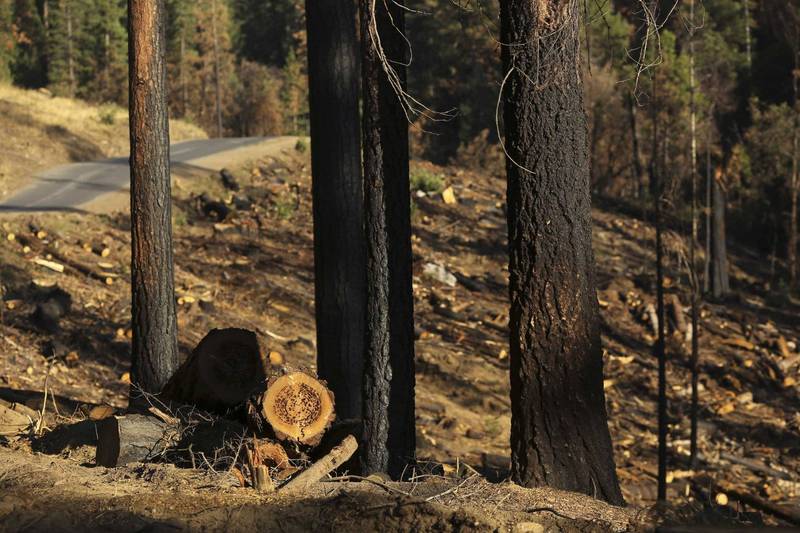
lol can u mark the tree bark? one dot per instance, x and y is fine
(137, 438)
(657, 185)
(221, 373)
(638, 167)
(559, 431)
(388, 431)
(794, 185)
(693, 285)
(339, 242)
(718, 267)
(155, 345)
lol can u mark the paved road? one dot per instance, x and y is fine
(67, 187)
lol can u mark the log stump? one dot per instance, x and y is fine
(298, 407)
(133, 438)
(221, 373)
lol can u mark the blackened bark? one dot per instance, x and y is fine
(559, 430)
(389, 439)
(637, 167)
(720, 285)
(656, 176)
(339, 249)
(155, 346)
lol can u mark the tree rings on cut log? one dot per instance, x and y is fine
(298, 407)
(221, 372)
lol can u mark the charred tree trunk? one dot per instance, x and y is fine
(718, 264)
(155, 345)
(339, 248)
(656, 176)
(707, 210)
(693, 285)
(389, 437)
(794, 185)
(638, 168)
(559, 430)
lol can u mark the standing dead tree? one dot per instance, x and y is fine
(339, 247)
(559, 429)
(657, 187)
(388, 408)
(693, 282)
(155, 345)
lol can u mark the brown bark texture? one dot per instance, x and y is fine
(388, 387)
(155, 346)
(559, 431)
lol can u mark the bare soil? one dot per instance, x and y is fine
(255, 270)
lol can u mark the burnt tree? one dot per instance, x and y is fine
(657, 185)
(155, 345)
(559, 429)
(718, 261)
(388, 417)
(339, 248)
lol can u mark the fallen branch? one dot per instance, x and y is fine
(339, 455)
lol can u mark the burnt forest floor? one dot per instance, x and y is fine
(255, 270)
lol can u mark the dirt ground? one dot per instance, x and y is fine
(255, 270)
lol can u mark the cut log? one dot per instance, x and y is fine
(783, 346)
(12, 422)
(52, 265)
(298, 407)
(133, 438)
(55, 304)
(213, 208)
(222, 372)
(652, 317)
(339, 455)
(677, 313)
(140, 438)
(101, 249)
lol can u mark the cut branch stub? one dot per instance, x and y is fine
(298, 407)
(221, 372)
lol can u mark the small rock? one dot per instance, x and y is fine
(242, 202)
(745, 398)
(228, 180)
(439, 273)
(528, 527)
(449, 196)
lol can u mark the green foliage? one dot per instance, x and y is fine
(285, 207)
(6, 40)
(426, 181)
(28, 59)
(107, 114)
(301, 146)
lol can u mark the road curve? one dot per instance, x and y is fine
(68, 187)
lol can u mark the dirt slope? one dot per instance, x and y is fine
(255, 270)
(41, 131)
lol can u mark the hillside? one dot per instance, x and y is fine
(41, 131)
(255, 270)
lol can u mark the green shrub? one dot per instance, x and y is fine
(301, 146)
(107, 114)
(426, 181)
(285, 207)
